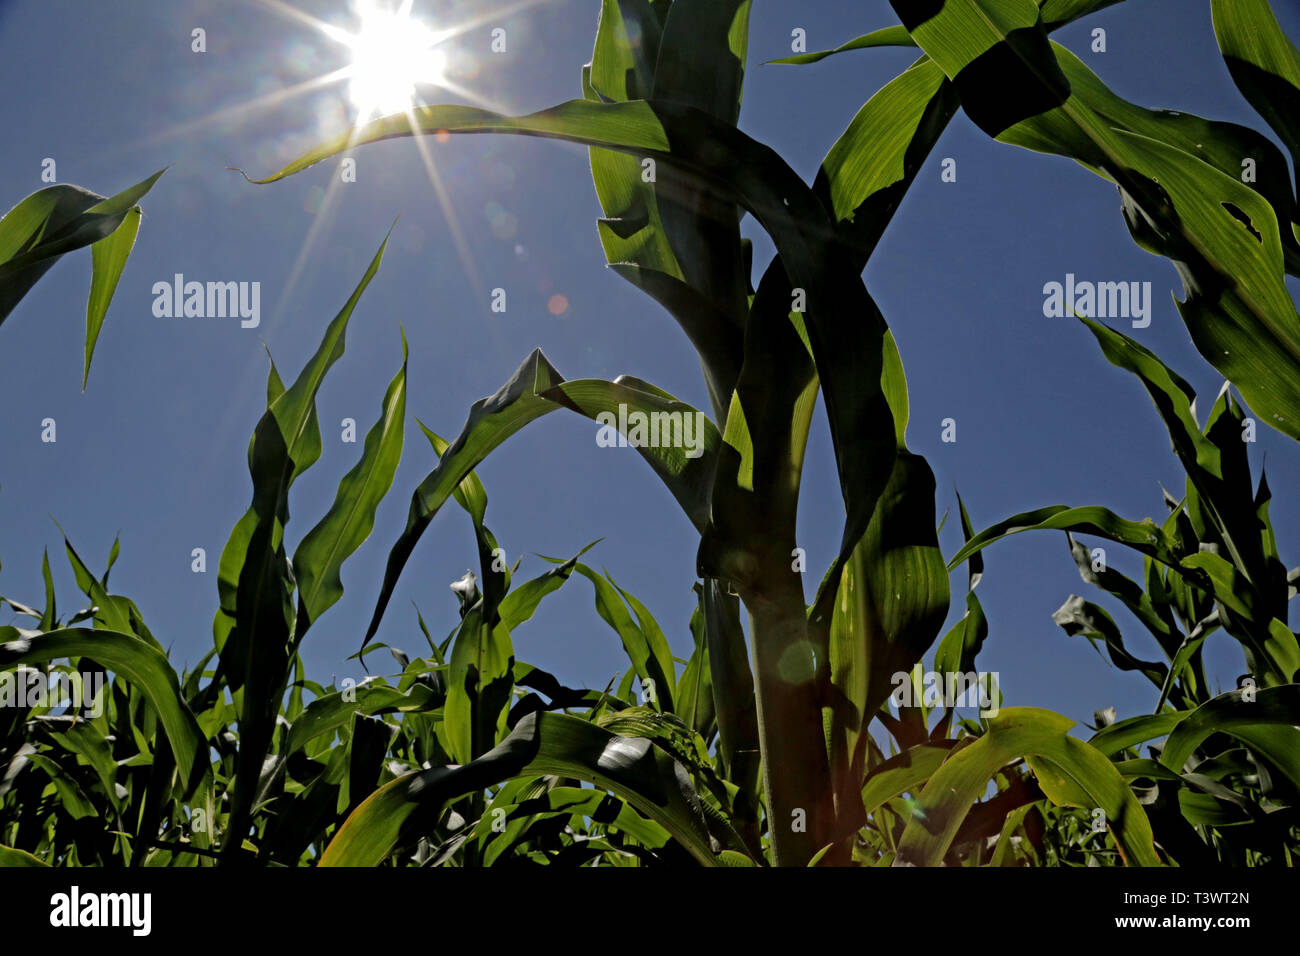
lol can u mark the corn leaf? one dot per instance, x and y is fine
(632, 768)
(143, 666)
(348, 523)
(1019, 732)
(60, 219)
(1223, 235)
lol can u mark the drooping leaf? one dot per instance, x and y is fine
(1223, 235)
(108, 258)
(143, 666)
(59, 219)
(1055, 13)
(632, 768)
(1144, 536)
(887, 36)
(1019, 732)
(535, 389)
(1268, 724)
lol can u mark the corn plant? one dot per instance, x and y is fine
(1223, 786)
(669, 102)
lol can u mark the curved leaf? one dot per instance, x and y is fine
(143, 665)
(886, 36)
(632, 768)
(535, 389)
(1269, 724)
(1020, 732)
(56, 220)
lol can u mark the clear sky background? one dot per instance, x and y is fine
(156, 446)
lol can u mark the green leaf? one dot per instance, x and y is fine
(1055, 13)
(255, 618)
(521, 603)
(348, 523)
(1238, 310)
(644, 642)
(888, 36)
(1077, 616)
(1267, 724)
(49, 617)
(141, 664)
(867, 172)
(72, 799)
(535, 389)
(959, 647)
(1264, 64)
(633, 236)
(1019, 732)
(11, 857)
(685, 467)
(889, 607)
(733, 699)
(903, 773)
(1144, 536)
(113, 612)
(627, 127)
(253, 628)
(326, 715)
(695, 702)
(1223, 235)
(108, 259)
(60, 219)
(1127, 733)
(632, 768)
(479, 685)
(701, 66)
(1153, 610)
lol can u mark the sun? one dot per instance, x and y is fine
(392, 54)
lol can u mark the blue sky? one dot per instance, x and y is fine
(156, 446)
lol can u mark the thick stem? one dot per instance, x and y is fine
(796, 776)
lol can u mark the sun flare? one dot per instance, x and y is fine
(392, 54)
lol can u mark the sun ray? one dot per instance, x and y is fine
(474, 23)
(390, 68)
(263, 103)
(253, 368)
(290, 12)
(448, 212)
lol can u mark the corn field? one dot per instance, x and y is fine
(812, 720)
